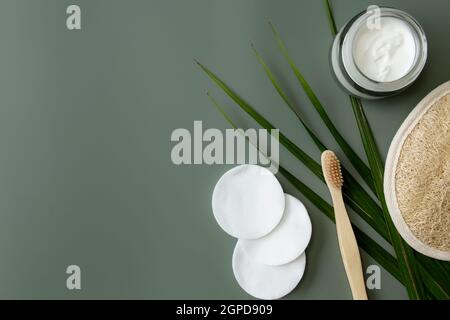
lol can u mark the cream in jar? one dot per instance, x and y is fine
(376, 60)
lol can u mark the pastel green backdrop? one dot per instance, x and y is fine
(85, 124)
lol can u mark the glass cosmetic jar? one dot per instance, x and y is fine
(379, 53)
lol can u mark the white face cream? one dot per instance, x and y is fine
(385, 53)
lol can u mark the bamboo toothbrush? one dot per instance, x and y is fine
(347, 242)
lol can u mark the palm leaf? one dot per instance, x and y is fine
(354, 194)
(435, 282)
(385, 259)
(435, 288)
(280, 91)
(355, 160)
(330, 16)
(357, 193)
(405, 255)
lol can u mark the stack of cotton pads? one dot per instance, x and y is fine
(273, 229)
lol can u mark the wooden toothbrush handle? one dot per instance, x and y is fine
(349, 248)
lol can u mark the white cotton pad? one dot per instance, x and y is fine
(263, 281)
(248, 202)
(287, 241)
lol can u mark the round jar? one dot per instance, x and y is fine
(376, 60)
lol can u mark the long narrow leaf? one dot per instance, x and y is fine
(405, 255)
(305, 158)
(440, 269)
(354, 194)
(280, 91)
(436, 273)
(355, 160)
(385, 259)
(331, 21)
(434, 287)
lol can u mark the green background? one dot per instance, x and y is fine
(85, 124)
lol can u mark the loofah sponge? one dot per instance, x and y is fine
(422, 177)
(417, 176)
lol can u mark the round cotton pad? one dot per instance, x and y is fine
(263, 281)
(248, 202)
(287, 241)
